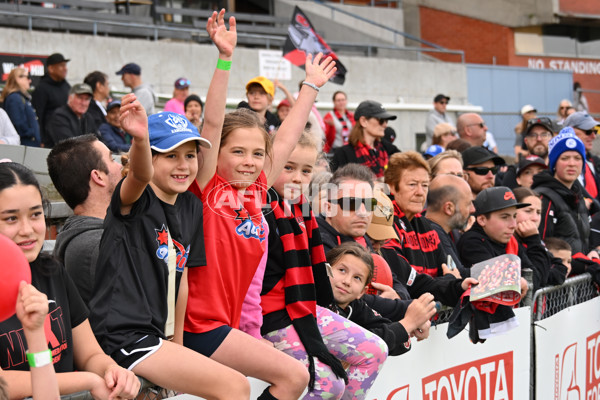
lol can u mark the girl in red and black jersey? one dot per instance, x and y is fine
(232, 182)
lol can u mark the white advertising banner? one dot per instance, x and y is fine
(273, 66)
(568, 354)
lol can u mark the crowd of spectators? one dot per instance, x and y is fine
(427, 218)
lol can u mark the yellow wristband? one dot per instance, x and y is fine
(223, 65)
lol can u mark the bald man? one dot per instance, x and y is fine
(471, 128)
(449, 206)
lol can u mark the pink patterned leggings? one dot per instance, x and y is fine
(363, 350)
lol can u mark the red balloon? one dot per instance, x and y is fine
(381, 273)
(15, 269)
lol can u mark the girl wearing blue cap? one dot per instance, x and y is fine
(153, 231)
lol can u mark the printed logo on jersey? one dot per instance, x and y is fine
(224, 200)
(247, 228)
(162, 252)
(13, 344)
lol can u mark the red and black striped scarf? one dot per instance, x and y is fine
(305, 277)
(376, 158)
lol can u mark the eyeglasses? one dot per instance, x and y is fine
(539, 135)
(480, 124)
(381, 120)
(483, 170)
(353, 203)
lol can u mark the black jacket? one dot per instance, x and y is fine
(65, 124)
(475, 246)
(564, 214)
(47, 97)
(347, 155)
(96, 113)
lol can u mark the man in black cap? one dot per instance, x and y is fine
(72, 119)
(131, 75)
(51, 93)
(537, 135)
(437, 116)
(481, 166)
(492, 235)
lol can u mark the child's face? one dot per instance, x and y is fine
(501, 224)
(22, 218)
(349, 279)
(174, 171)
(565, 256)
(297, 173)
(531, 213)
(258, 99)
(242, 157)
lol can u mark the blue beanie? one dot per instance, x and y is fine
(566, 140)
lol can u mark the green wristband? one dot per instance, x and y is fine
(223, 65)
(40, 359)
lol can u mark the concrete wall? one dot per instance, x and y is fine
(392, 81)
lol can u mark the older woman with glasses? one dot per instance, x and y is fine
(365, 145)
(449, 162)
(17, 103)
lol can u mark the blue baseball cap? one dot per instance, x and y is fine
(434, 150)
(169, 130)
(131, 68)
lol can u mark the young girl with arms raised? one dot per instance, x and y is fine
(296, 292)
(152, 235)
(232, 182)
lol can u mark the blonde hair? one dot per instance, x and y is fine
(11, 83)
(439, 130)
(401, 162)
(435, 161)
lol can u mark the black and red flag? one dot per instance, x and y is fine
(303, 39)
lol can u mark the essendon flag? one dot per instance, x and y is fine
(303, 39)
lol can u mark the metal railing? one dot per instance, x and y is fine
(550, 300)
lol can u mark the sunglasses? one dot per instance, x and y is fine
(480, 124)
(353, 203)
(590, 131)
(184, 82)
(450, 133)
(443, 102)
(483, 170)
(381, 120)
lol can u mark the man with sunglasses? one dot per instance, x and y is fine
(585, 129)
(437, 116)
(472, 128)
(346, 217)
(481, 165)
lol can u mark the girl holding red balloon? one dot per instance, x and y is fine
(71, 345)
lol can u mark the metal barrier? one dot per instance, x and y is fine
(550, 300)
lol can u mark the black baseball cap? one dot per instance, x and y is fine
(529, 161)
(478, 154)
(56, 58)
(440, 97)
(495, 199)
(372, 109)
(541, 121)
(113, 104)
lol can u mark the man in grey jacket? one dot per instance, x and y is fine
(85, 174)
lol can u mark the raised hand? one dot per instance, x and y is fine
(32, 306)
(385, 291)
(319, 70)
(224, 39)
(133, 117)
(526, 228)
